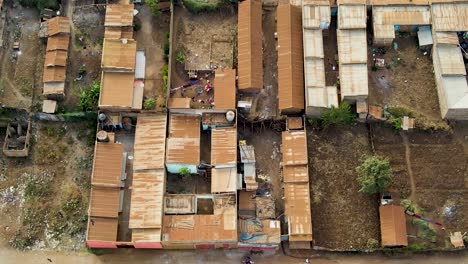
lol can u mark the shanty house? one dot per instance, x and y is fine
(224, 160)
(58, 25)
(290, 59)
(225, 89)
(118, 55)
(393, 226)
(119, 22)
(249, 59)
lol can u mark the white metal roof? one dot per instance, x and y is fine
(140, 65)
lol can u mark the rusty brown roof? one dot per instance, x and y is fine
(290, 59)
(118, 33)
(107, 168)
(54, 74)
(116, 89)
(119, 15)
(294, 148)
(119, 54)
(150, 142)
(58, 42)
(224, 180)
(296, 173)
(56, 58)
(179, 102)
(225, 89)
(104, 202)
(250, 51)
(147, 203)
(58, 25)
(224, 146)
(184, 126)
(298, 211)
(183, 142)
(102, 229)
(393, 225)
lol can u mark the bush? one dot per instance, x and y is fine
(374, 174)
(425, 231)
(180, 58)
(154, 6)
(397, 123)
(149, 104)
(40, 4)
(341, 115)
(197, 6)
(89, 98)
(165, 77)
(184, 172)
(399, 112)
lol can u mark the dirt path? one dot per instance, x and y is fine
(408, 164)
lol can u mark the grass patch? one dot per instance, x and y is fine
(199, 6)
(32, 224)
(25, 86)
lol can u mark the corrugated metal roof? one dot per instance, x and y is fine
(316, 16)
(58, 42)
(58, 25)
(49, 106)
(147, 201)
(119, 15)
(401, 15)
(297, 173)
(180, 204)
(54, 88)
(323, 97)
(425, 36)
(118, 32)
(384, 32)
(352, 46)
(179, 103)
(140, 65)
(353, 80)
(104, 202)
(249, 38)
(290, 58)
(116, 89)
(102, 229)
(393, 225)
(314, 73)
(184, 126)
(298, 211)
(224, 146)
(56, 58)
(450, 38)
(119, 54)
(399, 2)
(313, 43)
(146, 234)
(352, 16)
(107, 167)
(247, 153)
(450, 17)
(225, 89)
(450, 60)
(150, 142)
(294, 148)
(224, 180)
(294, 122)
(351, 2)
(183, 143)
(54, 74)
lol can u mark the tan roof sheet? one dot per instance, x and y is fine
(180, 204)
(313, 43)
(352, 16)
(353, 80)
(53, 88)
(450, 38)
(56, 58)
(183, 151)
(147, 202)
(351, 2)
(352, 46)
(150, 142)
(450, 17)
(49, 106)
(184, 126)
(116, 54)
(316, 16)
(270, 232)
(224, 146)
(290, 58)
(298, 211)
(297, 173)
(225, 89)
(295, 122)
(104, 202)
(401, 15)
(384, 31)
(116, 89)
(119, 15)
(107, 168)
(393, 225)
(179, 103)
(249, 34)
(294, 148)
(118, 33)
(450, 60)
(399, 2)
(58, 42)
(54, 74)
(224, 180)
(102, 229)
(146, 234)
(58, 25)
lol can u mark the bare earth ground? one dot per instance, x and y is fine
(87, 25)
(342, 218)
(151, 39)
(44, 197)
(20, 78)
(406, 81)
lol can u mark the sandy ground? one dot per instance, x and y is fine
(125, 256)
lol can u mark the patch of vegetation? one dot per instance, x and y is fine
(375, 68)
(36, 187)
(337, 116)
(167, 47)
(399, 112)
(149, 104)
(413, 248)
(374, 174)
(40, 4)
(89, 97)
(165, 78)
(317, 193)
(397, 123)
(25, 86)
(184, 172)
(99, 251)
(425, 231)
(154, 7)
(372, 243)
(200, 6)
(32, 224)
(180, 57)
(136, 24)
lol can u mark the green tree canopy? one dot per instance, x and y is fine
(374, 174)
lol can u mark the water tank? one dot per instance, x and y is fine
(102, 117)
(102, 136)
(230, 115)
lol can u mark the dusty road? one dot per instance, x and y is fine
(9, 256)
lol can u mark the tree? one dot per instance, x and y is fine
(340, 115)
(374, 174)
(154, 6)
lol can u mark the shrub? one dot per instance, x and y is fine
(149, 104)
(340, 115)
(397, 123)
(374, 174)
(89, 97)
(40, 4)
(180, 58)
(425, 231)
(416, 247)
(197, 6)
(154, 6)
(399, 112)
(165, 78)
(184, 172)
